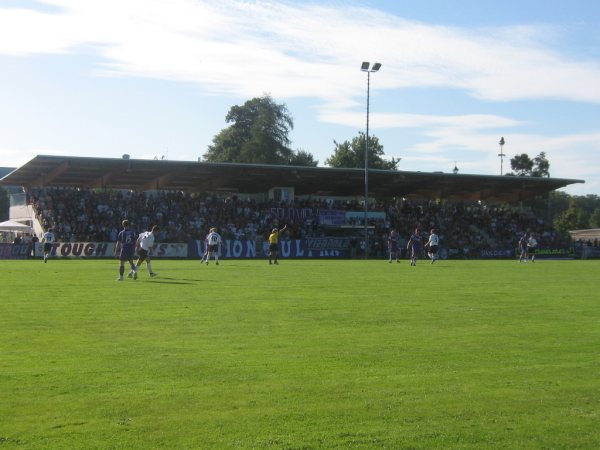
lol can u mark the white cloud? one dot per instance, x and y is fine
(385, 121)
(298, 50)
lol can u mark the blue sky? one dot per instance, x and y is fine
(154, 78)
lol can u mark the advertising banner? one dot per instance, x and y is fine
(588, 252)
(292, 214)
(329, 217)
(15, 251)
(326, 247)
(540, 253)
(107, 250)
(309, 248)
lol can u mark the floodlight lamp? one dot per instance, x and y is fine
(365, 65)
(376, 67)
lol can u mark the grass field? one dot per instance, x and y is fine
(304, 355)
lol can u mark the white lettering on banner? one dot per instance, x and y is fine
(299, 250)
(170, 251)
(292, 213)
(107, 250)
(496, 253)
(71, 249)
(285, 249)
(328, 243)
(230, 249)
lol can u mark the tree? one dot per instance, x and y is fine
(303, 158)
(595, 219)
(524, 166)
(541, 166)
(521, 165)
(572, 219)
(258, 134)
(352, 154)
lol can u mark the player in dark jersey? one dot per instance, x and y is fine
(414, 247)
(125, 248)
(394, 250)
(523, 249)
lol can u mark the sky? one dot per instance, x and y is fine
(156, 78)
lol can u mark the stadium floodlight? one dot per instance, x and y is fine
(501, 154)
(366, 67)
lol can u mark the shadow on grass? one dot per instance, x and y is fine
(167, 280)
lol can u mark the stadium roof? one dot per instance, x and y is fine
(190, 176)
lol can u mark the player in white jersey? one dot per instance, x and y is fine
(48, 239)
(532, 244)
(214, 241)
(144, 245)
(433, 245)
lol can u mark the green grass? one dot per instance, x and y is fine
(304, 355)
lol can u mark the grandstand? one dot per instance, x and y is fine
(142, 175)
(84, 200)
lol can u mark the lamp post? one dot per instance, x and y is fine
(366, 67)
(501, 154)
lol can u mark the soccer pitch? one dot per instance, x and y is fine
(317, 354)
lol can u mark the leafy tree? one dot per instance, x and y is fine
(524, 166)
(560, 201)
(571, 219)
(303, 158)
(521, 164)
(595, 219)
(352, 154)
(258, 134)
(541, 166)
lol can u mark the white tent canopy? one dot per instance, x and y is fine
(10, 225)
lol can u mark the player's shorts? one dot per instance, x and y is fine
(394, 247)
(126, 253)
(47, 247)
(273, 247)
(213, 248)
(433, 249)
(143, 254)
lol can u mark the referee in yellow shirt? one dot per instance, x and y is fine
(274, 244)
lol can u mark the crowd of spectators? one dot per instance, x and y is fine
(78, 215)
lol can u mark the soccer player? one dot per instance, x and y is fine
(414, 246)
(532, 244)
(393, 249)
(48, 239)
(204, 257)
(214, 241)
(523, 248)
(274, 244)
(432, 245)
(125, 248)
(144, 245)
